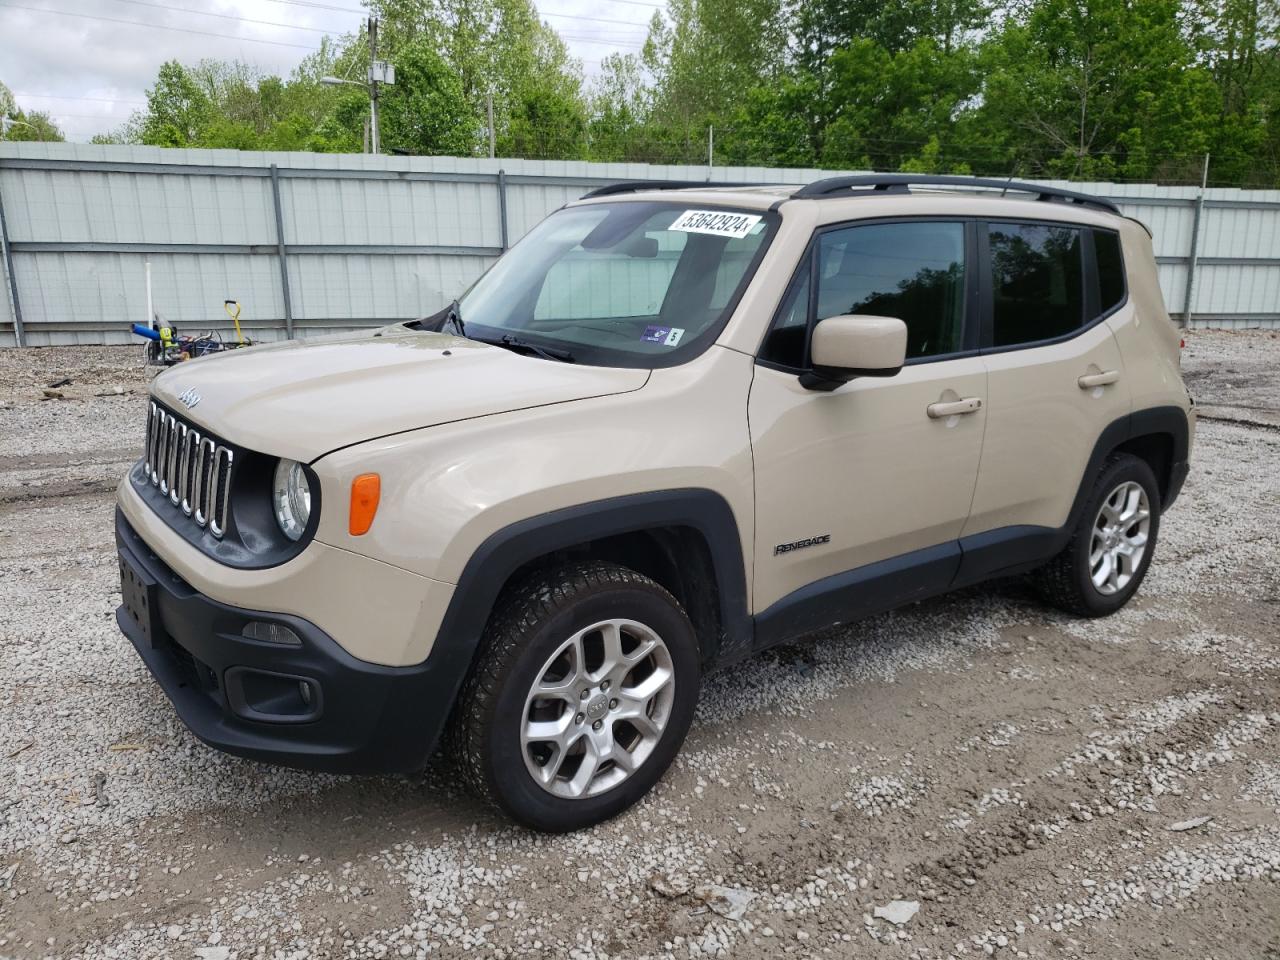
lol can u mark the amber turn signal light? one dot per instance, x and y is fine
(365, 491)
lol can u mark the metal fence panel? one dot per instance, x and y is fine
(369, 240)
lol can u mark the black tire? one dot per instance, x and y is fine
(1065, 582)
(530, 623)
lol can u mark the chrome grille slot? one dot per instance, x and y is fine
(190, 444)
(204, 465)
(220, 490)
(192, 470)
(151, 439)
(177, 438)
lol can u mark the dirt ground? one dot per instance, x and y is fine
(1035, 783)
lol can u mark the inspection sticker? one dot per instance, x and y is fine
(667, 336)
(719, 223)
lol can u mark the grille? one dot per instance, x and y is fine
(192, 471)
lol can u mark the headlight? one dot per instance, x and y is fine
(291, 498)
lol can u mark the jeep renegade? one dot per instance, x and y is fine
(673, 426)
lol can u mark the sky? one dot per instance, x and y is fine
(88, 63)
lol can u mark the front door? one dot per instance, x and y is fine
(869, 484)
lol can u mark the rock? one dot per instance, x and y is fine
(670, 884)
(213, 953)
(1188, 824)
(729, 902)
(898, 912)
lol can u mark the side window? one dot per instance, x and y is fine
(911, 271)
(1037, 282)
(785, 343)
(1106, 247)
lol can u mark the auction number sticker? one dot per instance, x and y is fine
(719, 223)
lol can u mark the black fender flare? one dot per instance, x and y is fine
(507, 550)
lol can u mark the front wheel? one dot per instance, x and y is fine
(583, 693)
(1112, 545)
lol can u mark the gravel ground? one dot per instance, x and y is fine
(1039, 786)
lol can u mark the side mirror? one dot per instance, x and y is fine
(851, 346)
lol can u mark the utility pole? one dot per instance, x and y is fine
(373, 80)
(493, 137)
(379, 73)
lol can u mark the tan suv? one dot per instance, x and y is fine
(674, 426)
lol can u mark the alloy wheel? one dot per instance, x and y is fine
(597, 708)
(1120, 534)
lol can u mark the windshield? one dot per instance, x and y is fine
(630, 284)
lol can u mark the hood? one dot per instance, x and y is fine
(303, 399)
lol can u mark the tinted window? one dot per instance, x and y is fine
(785, 342)
(911, 271)
(1106, 248)
(1037, 282)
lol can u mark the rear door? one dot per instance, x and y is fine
(860, 492)
(1054, 378)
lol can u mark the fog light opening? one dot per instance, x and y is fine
(265, 632)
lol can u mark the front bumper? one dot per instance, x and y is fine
(245, 696)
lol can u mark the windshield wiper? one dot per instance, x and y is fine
(450, 315)
(453, 315)
(515, 343)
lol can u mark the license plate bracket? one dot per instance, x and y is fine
(139, 592)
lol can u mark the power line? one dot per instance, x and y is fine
(641, 3)
(574, 16)
(224, 16)
(56, 96)
(156, 26)
(609, 43)
(323, 6)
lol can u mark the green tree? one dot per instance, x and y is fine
(618, 105)
(710, 53)
(897, 110)
(177, 109)
(424, 112)
(500, 52)
(19, 125)
(1097, 89)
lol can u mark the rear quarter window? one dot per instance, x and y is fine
(1111, 283)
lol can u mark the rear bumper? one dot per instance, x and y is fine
(245, 696)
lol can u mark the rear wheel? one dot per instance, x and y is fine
(1112, 546)
(583, 694)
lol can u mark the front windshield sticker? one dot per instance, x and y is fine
(667, 336)
(716, 222)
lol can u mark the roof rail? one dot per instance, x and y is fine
(632, 186)
(899, 182)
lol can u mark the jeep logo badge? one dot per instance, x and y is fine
(189, 397)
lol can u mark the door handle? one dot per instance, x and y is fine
(950, 408)
(1091, 380)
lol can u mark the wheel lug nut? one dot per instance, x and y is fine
(613, 704)
(585, 694)
(597, 725)
(605, 685)
(579, 718)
